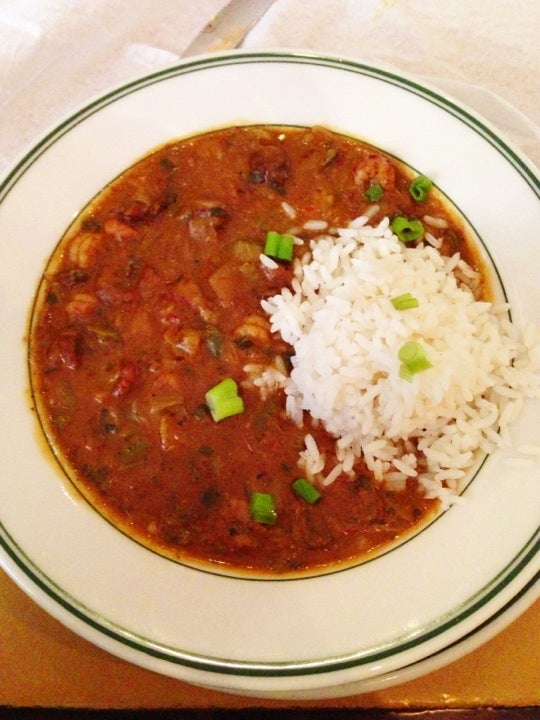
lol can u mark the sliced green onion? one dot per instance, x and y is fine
(404, 302)
(304, 489)
(279, 246)
(407, 230)
(405, 373)
(271, 245)
(374, 193)
(410, 351)
(413, 360)
(286, 246)
(419, 188)
(223, 400)
(262, 508)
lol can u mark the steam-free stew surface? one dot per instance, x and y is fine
(153, 297)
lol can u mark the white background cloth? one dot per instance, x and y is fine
(56, 55)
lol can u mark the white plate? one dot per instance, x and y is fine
(432, 597)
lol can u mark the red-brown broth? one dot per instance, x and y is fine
(153, 297)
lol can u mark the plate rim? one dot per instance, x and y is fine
(200, 62)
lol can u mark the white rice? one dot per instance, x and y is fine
(435, 221)
(288, 210)
(346, 334)
(268, 262)
(315, 225)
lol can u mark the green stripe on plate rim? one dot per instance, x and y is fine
(348, 65)
(223, 666)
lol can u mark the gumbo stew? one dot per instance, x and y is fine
(153, 298)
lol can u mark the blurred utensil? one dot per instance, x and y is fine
(228, 27)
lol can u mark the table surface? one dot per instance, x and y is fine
(44, 664)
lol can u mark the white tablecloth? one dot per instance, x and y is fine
(55, 55)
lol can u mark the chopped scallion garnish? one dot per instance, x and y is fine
(405, 373)
(404, 302)
(419, 188)
(374, 193)
(279, 246)
(223, 400)
(306, 490)
(413, 360)
(407, 230)
(262, 508)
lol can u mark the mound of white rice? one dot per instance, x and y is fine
(346, 334)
